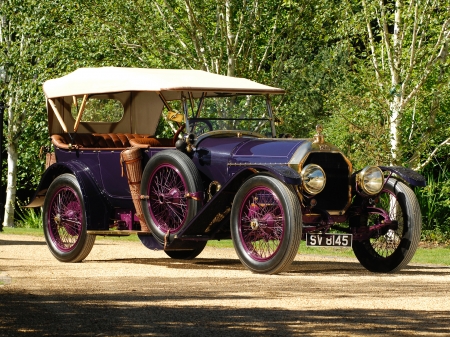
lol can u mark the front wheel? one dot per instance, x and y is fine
(266, 224)
(65, 220)
(390, 250)
(174, 189)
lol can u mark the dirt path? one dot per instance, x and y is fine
(124, 289)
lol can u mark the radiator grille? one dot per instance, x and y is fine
(335, 195)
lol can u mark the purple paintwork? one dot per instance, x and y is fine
(126, 216)
(266, 149)
(213, 154)
(220, 158)
(65, 218)
(167, 204)
(262, 223)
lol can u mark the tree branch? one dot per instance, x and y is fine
(372, 46)
(444, 38)
(200, 49)
(269, 42)
(413, 44)
(431, 156)
(385, 30)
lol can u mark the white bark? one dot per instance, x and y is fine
(231, 65)
(395, 108)
(12, 172)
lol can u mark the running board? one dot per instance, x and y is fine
(118, 233)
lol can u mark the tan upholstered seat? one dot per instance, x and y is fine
(145, 143)
(108, 141)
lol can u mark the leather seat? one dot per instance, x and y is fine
(103, 141)
(145, 143)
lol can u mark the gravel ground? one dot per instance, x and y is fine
(124, 289)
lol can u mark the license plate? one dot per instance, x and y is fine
(328, 240)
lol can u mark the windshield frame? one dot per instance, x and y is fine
(188, 105)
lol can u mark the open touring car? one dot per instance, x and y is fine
(224, 174)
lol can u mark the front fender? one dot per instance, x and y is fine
(215, 213)
(96, 203)
(410, 176)
(282, 172)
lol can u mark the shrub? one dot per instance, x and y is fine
(29, 218)
(435, 206)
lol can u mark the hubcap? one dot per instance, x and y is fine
(254, 224)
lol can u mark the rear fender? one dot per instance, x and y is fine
(97, 207)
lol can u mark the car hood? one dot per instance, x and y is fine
(267, 151)
(221, 157)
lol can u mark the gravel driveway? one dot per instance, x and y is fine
(124, 289)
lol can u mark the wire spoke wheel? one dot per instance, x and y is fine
(387, 241)
(168, 204)
(392, 246)
(266, 224)
(261, 223)
(65, 220)
(168, 179)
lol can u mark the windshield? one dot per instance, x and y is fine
(244, 113)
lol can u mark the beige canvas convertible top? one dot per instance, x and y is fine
(114, 79)
(143, 94)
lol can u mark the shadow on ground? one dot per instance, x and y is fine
(108, 315)
(21, 243)
(297, 267)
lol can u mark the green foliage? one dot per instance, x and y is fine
(435, 206)
(43, 40)
(29, 218)
(99, 110)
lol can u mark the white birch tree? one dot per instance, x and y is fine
(14, 47)
(407, 42)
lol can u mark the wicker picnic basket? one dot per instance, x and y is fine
(133, 162)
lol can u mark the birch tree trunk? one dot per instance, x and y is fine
(12, 171)
(394, 128)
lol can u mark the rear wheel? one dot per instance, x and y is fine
(64, 219)
(266, 224)
(390, 249)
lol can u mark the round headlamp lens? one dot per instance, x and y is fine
(313, 178)
(370, 179)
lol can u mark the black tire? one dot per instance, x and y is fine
(64, 218)
(187, 254)
(392, 250)
(167, 178)
(266, 224)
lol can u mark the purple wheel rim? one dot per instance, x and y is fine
(65, 219)
(167, 198)
(261, 224)
(387, 243)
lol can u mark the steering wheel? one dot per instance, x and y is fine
(177, 133)
(200, 126)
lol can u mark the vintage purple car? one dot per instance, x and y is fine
(223, 175)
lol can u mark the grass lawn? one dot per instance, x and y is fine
(435, 255)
